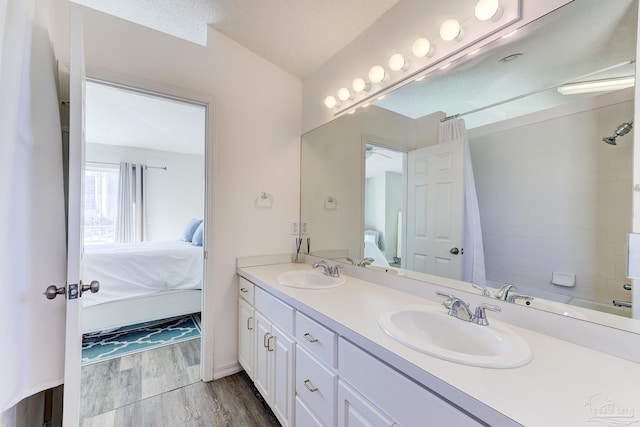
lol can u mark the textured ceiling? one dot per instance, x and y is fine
(296, 35)
(117, 116)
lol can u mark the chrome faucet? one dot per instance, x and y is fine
(460, 310)
(328, 269)
(456, 307)
(503, 293)
(365, 262)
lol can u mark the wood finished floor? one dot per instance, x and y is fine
(161, 387)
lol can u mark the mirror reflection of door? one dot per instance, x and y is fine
(435, 210)
(383, 201)
(143, 241)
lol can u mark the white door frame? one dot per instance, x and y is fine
(167, 91)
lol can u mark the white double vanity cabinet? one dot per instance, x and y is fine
(293, 361)
(319, 358)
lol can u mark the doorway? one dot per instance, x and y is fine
(144, 227)
(383, 201)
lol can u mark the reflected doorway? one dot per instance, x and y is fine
(143, 241)
(383, 201)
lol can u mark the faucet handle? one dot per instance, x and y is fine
(484, 290)
(443, 294)
(480, 316)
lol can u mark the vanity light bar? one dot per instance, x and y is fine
(450, 31)
(597, 86)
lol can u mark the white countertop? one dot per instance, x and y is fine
(553, 389)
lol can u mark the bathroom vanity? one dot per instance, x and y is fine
(319, 358)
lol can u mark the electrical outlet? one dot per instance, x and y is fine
(294, 227)
(304, 228)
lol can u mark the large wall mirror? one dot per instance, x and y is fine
(554, 199)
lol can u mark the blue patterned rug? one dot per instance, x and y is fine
(98, 347)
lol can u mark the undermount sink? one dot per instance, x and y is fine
(309, 279)
(432, 331)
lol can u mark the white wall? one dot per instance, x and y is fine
(554, 197)
(257, 140)
(173, 196)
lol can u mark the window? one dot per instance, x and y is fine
(100, 205)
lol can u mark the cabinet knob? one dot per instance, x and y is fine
(244, 290)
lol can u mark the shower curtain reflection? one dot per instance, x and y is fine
(473, 269)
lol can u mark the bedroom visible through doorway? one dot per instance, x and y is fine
(144, 222)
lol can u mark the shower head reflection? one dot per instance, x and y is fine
(621, 130)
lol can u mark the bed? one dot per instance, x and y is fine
(140, 282)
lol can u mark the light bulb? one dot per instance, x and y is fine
(330, 101)
(450, 30)
(376, 74)
(421, 47)
(358, 85)
(488, 10)
(344, 94)
(396, 62)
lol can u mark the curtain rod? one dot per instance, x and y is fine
(554, 86)
(118, 164)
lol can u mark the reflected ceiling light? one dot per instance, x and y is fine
(397, 62)
(451, 30)
(596, 86)
(506, 36)
(422, 47)
(488, 10)
(330, 102)
(358, 85)
(344, 94)
(376, 74)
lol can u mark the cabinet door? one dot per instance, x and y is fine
(262, 359)
(246, 329)
(283, 348)
(355, 411)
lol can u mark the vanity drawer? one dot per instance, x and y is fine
(246, 290)
(320, 341)
(402, 399)
(304, 416)
(275, 310)
(317, 386)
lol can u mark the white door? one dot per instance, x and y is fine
(73, 341)
(435, 210)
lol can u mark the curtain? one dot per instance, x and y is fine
(131, 211)
(32, 214)
(473, 259)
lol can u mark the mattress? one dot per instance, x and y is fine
(127, 270)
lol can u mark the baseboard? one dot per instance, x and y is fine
(225, 371)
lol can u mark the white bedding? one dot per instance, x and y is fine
(127, 270)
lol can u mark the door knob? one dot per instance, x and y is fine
(454, 251)
(93, 287)
(53, 291)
